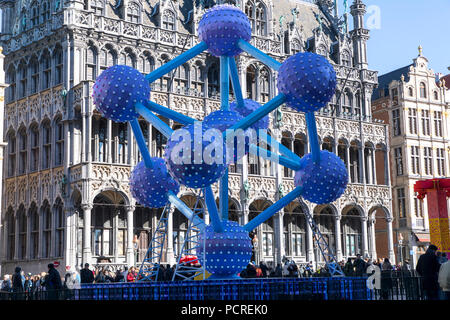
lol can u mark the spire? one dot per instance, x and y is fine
(420, 50)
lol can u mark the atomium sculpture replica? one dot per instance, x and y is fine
(306, 83)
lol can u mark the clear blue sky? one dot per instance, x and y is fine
(404, 24)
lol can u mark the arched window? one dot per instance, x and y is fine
(181, 77)
(143, 229)
(322, 51)
(325, 221)
(436, 95)
(47, 231)
(120, 142)
(257, 14)
(22, 151)
(100, 140)
(346, 59)
(133, 12)
(165, 81)
(327, 144)
(34, 163)
(357, 109)
(146, 63)
(59, 142)
(34, 14)
(251, 82)
(423, 90)
(46, 67)
(60, 223)
(213, 80)
(197, 79)
(351, 233)
(264, 84)
(11, 220)
(58, 59)
(91, 64)
(411, 92)
(34, 69)
(97, 6)
(11, 154)
(300, 145)
(34, 231)
(107, 59)
(121, 230)
(11, 80)
(296, 46)
(128, 58)
(168, 20)
(45, 11)
(102, 227)
(22, 221)
(46, 144)
(348, 101)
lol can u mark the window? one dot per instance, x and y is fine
(45, 11)
(251, 82)
(213, 80)
(133, 12)
(401, 202)
(346, 59)
(59, 140)
(47, 231)
(120, 142)
(60, 222)
(11, 154)
(97, 7)
(296, 46)
(436, 95)
(102, 227)
(143, 229)
(396, 122)
(11, 80)
(128, 59)
(256, 12)
(34, 68)
(411, 92)
(46, 145)
(426, 122)
(197, 79)
(22, 151)
(264, 85)
(58, 58)
(107, 59)
(122, 231)
(347, 103)
(46, 71)
(351, 232)
(23, 80)
(412, 120)
(91, 64)
(267, 244)
(181, 77)
(22, 220)
(440, 161)
(34, 14)
(415, 160)
(168, 20)
(438, 123)
(398, 161)
(418, 207)
(34, 228)
(100, 140)
(423, 90)
(146, 64)
(11, 235)
(298, 237)
(428, 160)
(34, 165)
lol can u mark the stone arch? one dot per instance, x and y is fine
(112, 194)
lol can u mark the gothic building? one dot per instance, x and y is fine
(415, 106)
(66, 194)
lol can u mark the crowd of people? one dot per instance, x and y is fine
(433, 267)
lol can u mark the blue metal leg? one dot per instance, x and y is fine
(154, 120)
(277, 206)
(223, 198)
(260, 113)
(176, 62)
(258, 54)
(212, 209)
(141, 142)
(268, 155)
(168, 113)
(224, 83)
(236, 84)
(184, 209)
(313, 138)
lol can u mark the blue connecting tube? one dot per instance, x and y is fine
(212, 209)
(223, 199)
(168, 113)
(258, 54)
(176, 62)
(235, 82)
(224, 83)
(277, 206)
(154, 120)
(313, 138)
(185, 210)
(141, 143)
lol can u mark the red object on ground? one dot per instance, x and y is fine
(189, 259)
(436, 191)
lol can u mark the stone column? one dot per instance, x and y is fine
(87, 250)
(374, 166)
(365, 245)
(347, 154)
(337, 224)
(170, 253)
(309, 244)
(361, 165)
(130, 233)
(373, 249)
(16, 237)
(279, 243)
(109, 141)
(70, 237)
(390, 240)
(369, 178)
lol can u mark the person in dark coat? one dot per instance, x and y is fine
(264, 268)
(86, 275)
(53, 282)
(360, 266)
(278, 271)
(348, 268)
(17, 284)
(428, 268)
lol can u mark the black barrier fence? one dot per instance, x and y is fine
(396, 287)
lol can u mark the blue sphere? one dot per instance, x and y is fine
(249, 107)
(117, 90)
(187, 160)
(323, 182)
(149, 186)
(226, 253)
(221, 27)
(308, 80)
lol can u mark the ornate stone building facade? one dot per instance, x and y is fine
(416, 108)
(66, 171)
